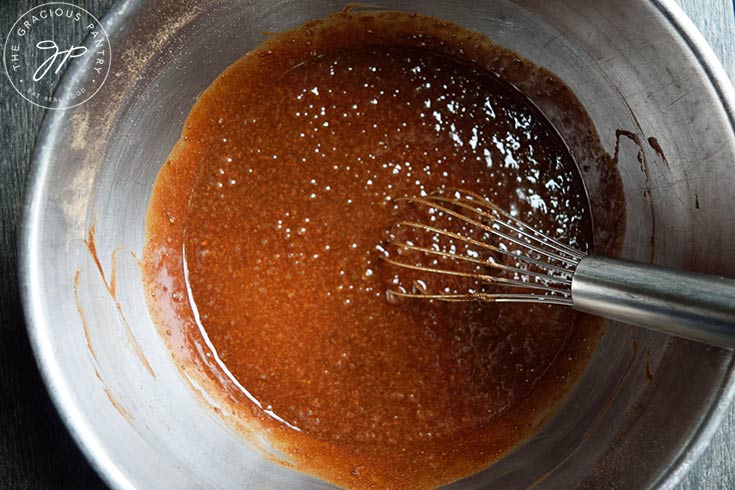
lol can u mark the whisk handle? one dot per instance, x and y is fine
(695, 306)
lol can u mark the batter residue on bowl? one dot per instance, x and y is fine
(262, 234)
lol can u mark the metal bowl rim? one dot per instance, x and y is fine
(72, 415)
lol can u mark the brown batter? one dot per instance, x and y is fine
(262, 232)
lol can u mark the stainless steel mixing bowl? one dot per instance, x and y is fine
(637, 65)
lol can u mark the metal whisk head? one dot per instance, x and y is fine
(456, 245)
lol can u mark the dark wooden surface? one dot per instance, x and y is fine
(36, 451)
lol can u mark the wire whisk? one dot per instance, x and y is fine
(487, 238)
(456, 245)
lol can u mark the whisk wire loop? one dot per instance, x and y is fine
(480, 244)
(542, 267)
(547, 240)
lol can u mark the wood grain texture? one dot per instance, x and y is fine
(36, 451)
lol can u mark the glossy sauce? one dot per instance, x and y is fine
(262, 233)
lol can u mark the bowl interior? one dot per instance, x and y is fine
(142, 422)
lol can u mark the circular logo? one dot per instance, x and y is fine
(42, 44)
